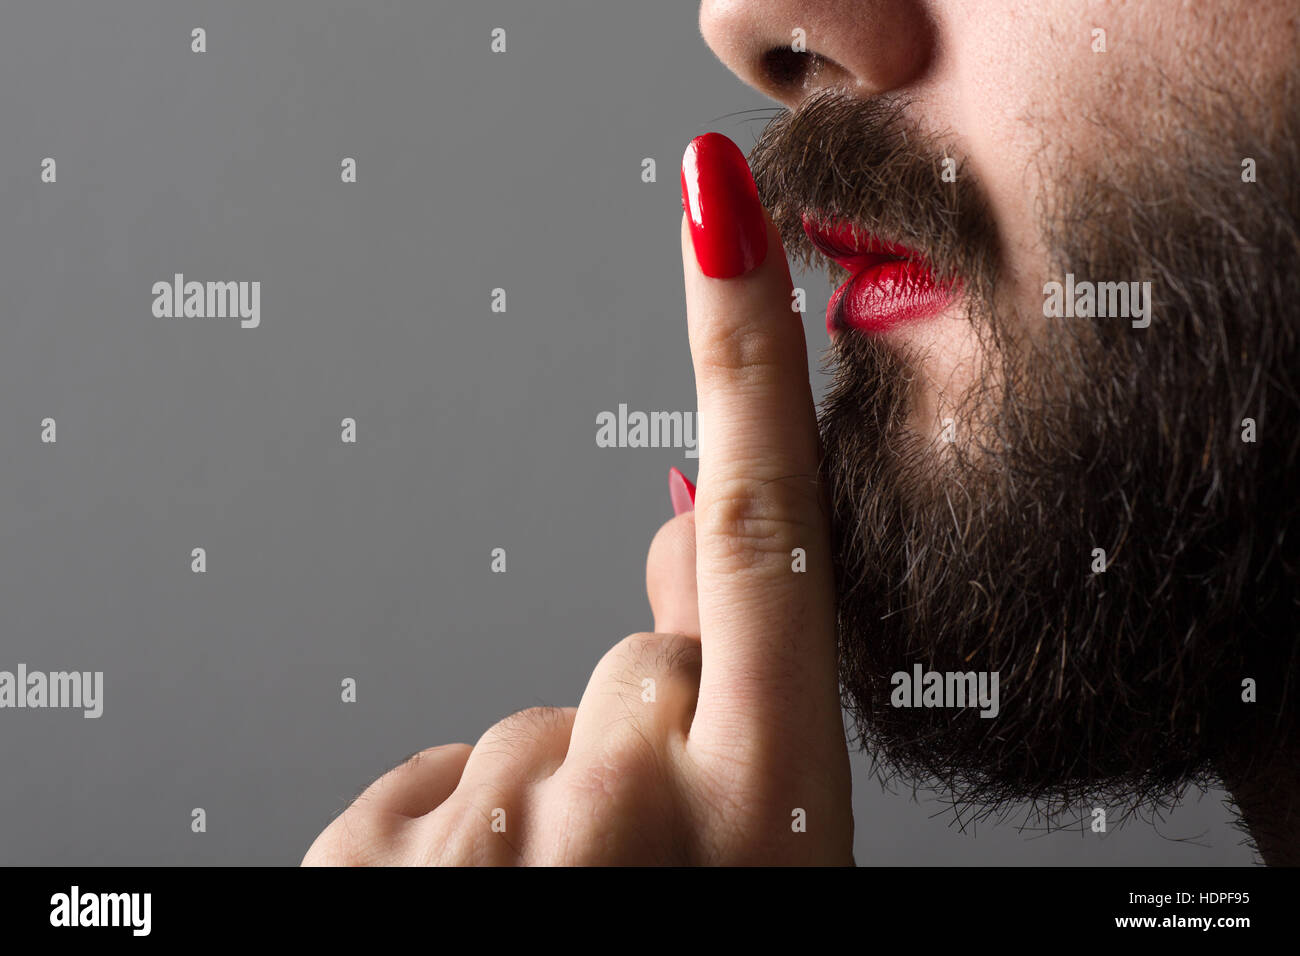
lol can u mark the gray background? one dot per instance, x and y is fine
(476, 430)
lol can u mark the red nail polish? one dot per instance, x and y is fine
(680, 492)
(727, 225)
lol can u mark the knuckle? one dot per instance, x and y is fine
(633, 744)
(429, 753)
(654, 655)
(441, 749)
(740, 348)
(527, 743)
(527, 726)
(633, 649)
(751, 519)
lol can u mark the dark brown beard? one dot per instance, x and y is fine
(860, 160)
(1125, 686)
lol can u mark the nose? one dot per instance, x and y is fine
(789, 49)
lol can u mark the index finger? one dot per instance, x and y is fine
(766, 591)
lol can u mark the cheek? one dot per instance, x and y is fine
(1015, 90)
(1020, 88)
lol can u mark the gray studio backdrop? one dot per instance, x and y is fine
(475, 429)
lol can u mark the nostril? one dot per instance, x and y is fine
(784, 67)
(788, 69)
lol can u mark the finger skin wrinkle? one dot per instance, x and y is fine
(741, 352)
(746, 523)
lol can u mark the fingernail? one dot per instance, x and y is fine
(680, 492)
(721, 201)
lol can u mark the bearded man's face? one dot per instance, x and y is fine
(1079, 486)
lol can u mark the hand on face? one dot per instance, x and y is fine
(719, 737)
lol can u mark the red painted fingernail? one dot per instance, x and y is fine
(680, 492)
(718, 193)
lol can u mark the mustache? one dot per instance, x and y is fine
(837, 157)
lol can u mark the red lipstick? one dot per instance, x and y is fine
(890, 284)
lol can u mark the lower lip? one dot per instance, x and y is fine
(884, 295)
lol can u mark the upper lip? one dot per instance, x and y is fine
(852, 247)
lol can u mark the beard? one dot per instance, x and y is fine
(1121, 686)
